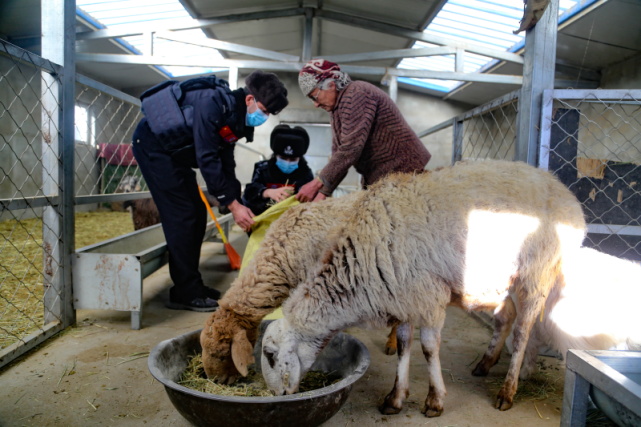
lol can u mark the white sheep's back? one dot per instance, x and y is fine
(408, 242)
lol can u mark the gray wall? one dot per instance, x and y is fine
(625, 75)
(610, 132)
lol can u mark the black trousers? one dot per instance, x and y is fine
(182, 212)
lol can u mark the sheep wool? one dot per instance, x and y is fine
(413, 244)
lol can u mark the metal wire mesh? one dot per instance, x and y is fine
(29, 184)
(488, 131)
(104, 126)
(593, 144)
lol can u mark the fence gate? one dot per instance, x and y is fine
(591, 140)
(35, 296)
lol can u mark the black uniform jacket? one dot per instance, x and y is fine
(214, 113)
(268, 175)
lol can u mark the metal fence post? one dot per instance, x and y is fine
(233, 78)
(58, 99)
(538, 75)
(457, 140)
(393, 88)
(307, 35)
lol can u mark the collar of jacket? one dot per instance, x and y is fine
(340, 95)
(240, 129)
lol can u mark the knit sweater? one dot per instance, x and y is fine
(370, 133)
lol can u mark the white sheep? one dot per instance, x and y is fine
(594, 305)
(414, 244)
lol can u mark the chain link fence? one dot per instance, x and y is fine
(485, 132)
(591, 140)
(488, 131)
(105, 120)
(30, 222)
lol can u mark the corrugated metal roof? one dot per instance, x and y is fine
(484, 22)
(115, 13)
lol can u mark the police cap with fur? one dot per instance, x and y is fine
(287, 141)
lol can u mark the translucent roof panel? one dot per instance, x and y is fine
(115, 13)
(487, 23)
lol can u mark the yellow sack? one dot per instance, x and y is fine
(259, 229)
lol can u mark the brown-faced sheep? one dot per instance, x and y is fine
(292, 245)
(594, 305)
(144, 212)
(464, 235)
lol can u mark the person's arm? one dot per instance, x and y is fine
(211, 155)
(217, 163)
(356, 112)
(253, 195)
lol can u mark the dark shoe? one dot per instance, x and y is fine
(202, 305)
(211, 293)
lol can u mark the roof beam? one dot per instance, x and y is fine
(391, 54)
(464, 77)
(230, 47)
(185, 24)
(292, 66)
(417, 35)
(187, 62)
(307, 35)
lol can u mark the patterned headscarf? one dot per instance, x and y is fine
(317, 70)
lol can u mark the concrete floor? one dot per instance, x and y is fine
(103, 386)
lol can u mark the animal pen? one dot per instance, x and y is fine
(65, 150)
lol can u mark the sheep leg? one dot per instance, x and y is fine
(504, 316)
(531, 354)
(394, 400)
(390, 346)
(528, 311)
(431, 342)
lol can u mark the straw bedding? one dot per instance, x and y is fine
(21, 280)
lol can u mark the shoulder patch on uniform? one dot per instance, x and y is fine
(227, 135)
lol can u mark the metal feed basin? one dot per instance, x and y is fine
(344, 354)
(611, 378)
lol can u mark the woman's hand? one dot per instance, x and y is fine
(278, 194)
(308, 192)
(319, 197)
(242, 215)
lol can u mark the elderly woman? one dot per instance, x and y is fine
(368, 130)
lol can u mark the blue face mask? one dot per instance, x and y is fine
(286, 166)
(256, 118)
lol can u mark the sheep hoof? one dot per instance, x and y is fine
(503, 402)
(390, 351)
(389, 410)
(480, 370)
(431, 413)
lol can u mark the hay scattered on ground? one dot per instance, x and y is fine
(545, 384)
(21, 268)
(251, 386)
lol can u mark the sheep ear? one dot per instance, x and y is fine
(241, 352)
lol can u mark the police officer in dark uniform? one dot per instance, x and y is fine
(284, 173)
(195, 124)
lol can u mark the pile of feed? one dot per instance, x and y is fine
(251, 386)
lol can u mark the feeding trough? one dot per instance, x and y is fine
(611, 378)
(344, 355)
